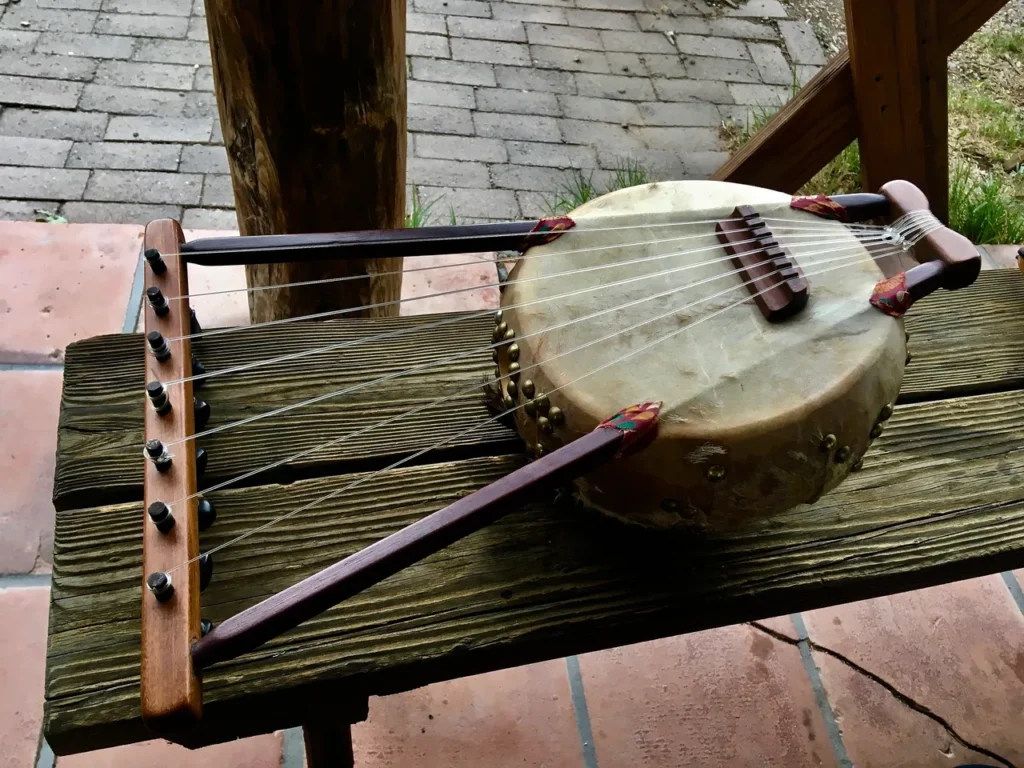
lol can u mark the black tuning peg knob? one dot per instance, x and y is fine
(198, 369)
(202, 412)
(206, 514)
(205, 570)
(161, 516)
(194, 326)
(159, 584)
(201, 458)
(158, 301)
(155, 261)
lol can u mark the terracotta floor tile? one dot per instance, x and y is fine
(23, 616)
(29, 409)
(476, 270)
(517, 717)
(257, 752)
(728, 697)
(60, 283)
(957, 650)
(881, 732)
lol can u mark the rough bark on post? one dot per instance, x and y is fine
(312, 102)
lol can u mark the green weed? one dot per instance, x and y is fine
(983, 208)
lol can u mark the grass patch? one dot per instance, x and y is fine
(982, 206)
(579, 188)
(1003, 42)
(420, 213)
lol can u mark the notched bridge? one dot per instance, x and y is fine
(774, 280)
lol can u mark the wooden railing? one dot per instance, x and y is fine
(887, 89)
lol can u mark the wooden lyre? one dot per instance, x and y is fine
(176, 644)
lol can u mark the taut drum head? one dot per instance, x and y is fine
(758, 417)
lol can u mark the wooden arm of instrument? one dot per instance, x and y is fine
(958, 255)
(627, 432)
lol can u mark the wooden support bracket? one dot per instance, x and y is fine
(171, 692)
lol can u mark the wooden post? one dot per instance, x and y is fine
(898, 60)
(311, 95)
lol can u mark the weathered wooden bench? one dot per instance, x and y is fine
(940, 498)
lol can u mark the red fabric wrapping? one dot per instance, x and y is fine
(555, 226)
(638, 422)
(822, 206)
(891, 296)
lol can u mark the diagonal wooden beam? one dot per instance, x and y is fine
(821, 120)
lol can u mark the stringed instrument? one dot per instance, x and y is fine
(686, 355)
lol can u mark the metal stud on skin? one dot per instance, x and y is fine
(886, 413)
(715, 473)
(528, 388)
(843, 454)
(512, 389)
(556, 416)
(876, 431)
(513, 352)
(828, 443)
(544, 425)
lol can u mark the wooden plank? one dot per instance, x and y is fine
(940, 498)
(100, 432)
(172, 698)
(821, 121)
(899, 69)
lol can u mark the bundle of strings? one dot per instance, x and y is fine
(838, 253)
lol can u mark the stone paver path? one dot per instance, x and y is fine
(108, 113)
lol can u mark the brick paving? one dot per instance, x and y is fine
(107, 112)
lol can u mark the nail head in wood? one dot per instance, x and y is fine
(161, 516)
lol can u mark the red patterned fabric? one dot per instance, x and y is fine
(891, 296)
(820, 205)
(640, 424)
(556, 226)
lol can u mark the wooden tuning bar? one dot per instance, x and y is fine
(763, 264)
(171, 692)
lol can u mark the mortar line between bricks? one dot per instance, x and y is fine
(579, 706)
(131, 316)
(1015, 589)
(835, 736)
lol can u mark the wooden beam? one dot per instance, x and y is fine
(821, 120)
(900, 84)
(312, 104)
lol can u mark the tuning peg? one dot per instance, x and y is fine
(198, 369)
(202, 409)
(161, 516)
(155, 261)
(159, 584)
(158, 397)
(206, 513)
(158, 346)
(205, 570)
(157, 301)
(155, 450)
(201, 458)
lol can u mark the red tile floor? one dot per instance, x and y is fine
(922, 679)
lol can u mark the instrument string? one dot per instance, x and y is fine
(499, 284)
(470, 390)
(632, 353)
(463, 318)
(480, 350)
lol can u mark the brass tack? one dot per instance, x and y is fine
(715, 473)
(512, 389)
(508, 401)
(542, 403)
(513, 352)
(528, 388)
(828, 443)
(494, 355)
(843, 454)
(530, 408)
(509, 334)
(556, 416)
(876, 431)
(544, 425)
(498, 317)
(538, 450)
(886, 413)
(499, 331)
(858, 465)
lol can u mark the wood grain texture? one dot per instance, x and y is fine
(821, 120)
(100, 432)
(312, 104)
(171, 693)
(899, 69)
(940, 498)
